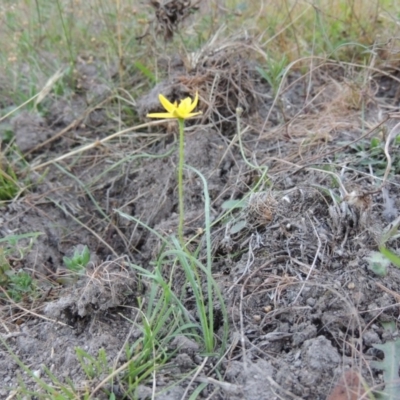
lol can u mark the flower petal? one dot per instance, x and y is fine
(186, 103)
(167, 104)
(193, 114)
(184, 108)
(160, 115)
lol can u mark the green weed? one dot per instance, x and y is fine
(20, 285)
(79, 259)
(16, 284)
(93, 366)
(379, 261)
(161, 317)
(389, 365)
(195, 272)
(274, 72)
(55, 390)
(370, 155)
(9, 187)
(391, 232)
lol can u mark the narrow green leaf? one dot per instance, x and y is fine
(232, 204)
(394, 258)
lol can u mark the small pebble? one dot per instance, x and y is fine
(267, 309)
(37, 373)
(310, 301)
(298, 363)
(351, 285)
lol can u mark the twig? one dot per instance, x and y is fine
(314, 261)
(393, 133)
(287, 393)
(225, 386)
(194, 377)
(98, 142)
(31, 312)
(391, 292)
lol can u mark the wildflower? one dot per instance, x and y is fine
(181, 111)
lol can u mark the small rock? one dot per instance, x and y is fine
(310, 301)
(370, 337)
(184, 361)
(185, 345)
(37, 373)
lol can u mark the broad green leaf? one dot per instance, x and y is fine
(378, 263)
(390, 367)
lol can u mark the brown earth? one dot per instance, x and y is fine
(305, 310)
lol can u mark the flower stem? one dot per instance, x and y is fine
(181, 124)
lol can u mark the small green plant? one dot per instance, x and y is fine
(93, 366)
(274, 72)
(4, 267)
(199, 278)
(8, 181)
(371, 154)
(20, 285)
(179, 112)
(389, 365)
(54, 390)
(79, 260)
(16, 284)
(379, 261)
(148, 353)
(390, 232)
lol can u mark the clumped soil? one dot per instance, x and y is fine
(305, 310)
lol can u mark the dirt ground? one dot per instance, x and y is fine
(305, 309)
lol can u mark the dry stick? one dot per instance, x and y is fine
(99, 142)
(225, 386)
(31, 312)
(287, 393)
(20, 106)
(393, 133)
(38, 96)
(249, 263)
(109, 377)
(391, 292)
(201, 367)
(87, 228)
(313, 263)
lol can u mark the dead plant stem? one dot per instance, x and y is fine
(98, 143)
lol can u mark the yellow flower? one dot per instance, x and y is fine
(181, 111)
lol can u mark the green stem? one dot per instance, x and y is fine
(181, 123)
